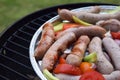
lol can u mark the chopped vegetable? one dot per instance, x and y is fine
(62, 60)
(48, 75)
(92, 57)
(56, 22)
(65, 25)
(69, 25)
(77, 20)
(86, 66)
(58, 27)
(67, 69)
(108, 34)
(92, 75)
(115, 35)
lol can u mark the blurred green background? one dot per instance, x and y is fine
(13, 10)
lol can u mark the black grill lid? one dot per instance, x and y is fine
(14, 43)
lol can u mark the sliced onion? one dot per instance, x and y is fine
(108, 34)
(93, 66)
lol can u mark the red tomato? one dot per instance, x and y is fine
(85, 66)
(70, 25)
(62, 60)
(115, 35)
(67, 69)
(92, 75)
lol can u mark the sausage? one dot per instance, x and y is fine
(117, 41)
(67, 15)
(107, 57)
(94, 9)
(78, 51)
(113, 51)
(103, 65)
(92, 18)
(108, 25)
(58, 46)
(67, 77)
(47, 39)
(90, 31)
(115, 75)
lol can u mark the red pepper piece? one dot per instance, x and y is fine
(115, 35)
(62, 60)
(92, 75)
(67, 69)
(70, 25)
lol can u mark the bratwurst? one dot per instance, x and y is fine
(103, 65)
(113, 25)
(90, 31)
(115, 75)
(59, 45)
(46, 40)
(113, 51)
(77, 54)
(92, 18)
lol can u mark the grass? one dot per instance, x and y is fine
(12, 10)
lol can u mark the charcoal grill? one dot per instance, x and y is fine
(15, 41)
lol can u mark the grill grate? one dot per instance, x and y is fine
(15, 55)
(14, 44)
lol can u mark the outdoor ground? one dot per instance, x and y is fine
(13, 10)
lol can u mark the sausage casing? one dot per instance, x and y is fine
(47, 39)
(113, 51)
(90, 31)
(103, 65)
(59, 45)
(78, 51)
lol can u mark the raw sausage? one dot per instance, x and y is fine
(90, 31)
(103, 65)
(92, 18)
(113, 51)
(115, 75)
(113, 25)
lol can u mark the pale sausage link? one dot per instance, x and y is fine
(103, 65)
(113, 51)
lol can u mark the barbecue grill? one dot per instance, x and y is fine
(15, 41)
